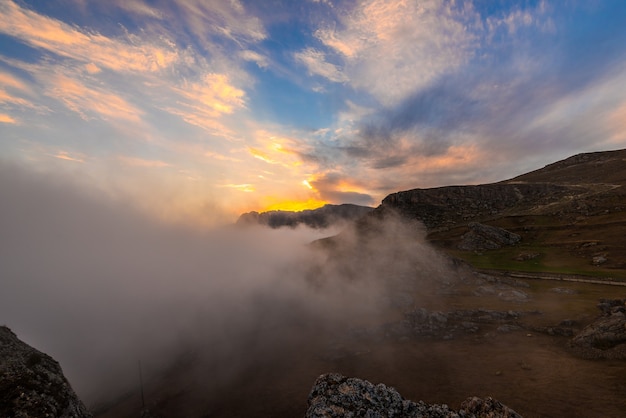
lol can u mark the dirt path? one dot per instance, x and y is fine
(552, 276)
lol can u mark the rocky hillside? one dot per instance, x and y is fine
(32, 383)
(314, 218)
(569, 215)
(336, 396)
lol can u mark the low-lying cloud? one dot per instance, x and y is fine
(99, 287)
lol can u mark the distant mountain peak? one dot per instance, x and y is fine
(322, 217)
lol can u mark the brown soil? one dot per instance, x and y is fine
(533, 373)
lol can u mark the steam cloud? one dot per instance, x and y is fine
(98, 286)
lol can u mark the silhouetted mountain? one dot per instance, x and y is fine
(313, 218)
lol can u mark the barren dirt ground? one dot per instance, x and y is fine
(533, 373)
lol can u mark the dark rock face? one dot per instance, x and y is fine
(454, 205)
(335, 396)
(606, 337)
(315, 218)
(32, 383)
(487, 237)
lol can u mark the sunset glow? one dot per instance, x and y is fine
(227, 105)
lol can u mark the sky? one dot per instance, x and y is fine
(195, 111)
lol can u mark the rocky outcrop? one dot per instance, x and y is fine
(337, 396)
(454, 205)
(605, 338)
(487, 237)
(314, 218)
(32, 383)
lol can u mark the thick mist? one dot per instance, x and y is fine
(100, 287)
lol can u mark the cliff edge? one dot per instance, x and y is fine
(32, 383)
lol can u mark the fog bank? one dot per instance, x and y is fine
(99, 286)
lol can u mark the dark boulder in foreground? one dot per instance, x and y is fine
(335, 396)
(32, 383)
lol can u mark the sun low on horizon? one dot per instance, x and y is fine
(199, 110)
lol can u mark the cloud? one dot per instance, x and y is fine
(336, 187)
(222, 18)
(255, 57)
(521, 18)
(394, 48)
(142, 162)
(213, 94)
(139, 7)
(9, 80)
(131, 54)
(64, 155)
(246, 187)
(315, 61)
(4, 118)
(98, 286)
(90, 101)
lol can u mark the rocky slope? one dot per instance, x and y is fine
(32, 383)
(336, 396)
(315, 218)
(569, 215)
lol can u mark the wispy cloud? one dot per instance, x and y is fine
(142, 162)
(221, 18)
(316, 63)
(67, 156)
(90, 102)
(125, 54)
(393, 48)
(4, 118)
(246, 187)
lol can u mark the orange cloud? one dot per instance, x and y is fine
(62, 39)
(141, 162)
(9, 80)
(456, 157)
(64, 155)
(246, 187)
(616, 121)
(4, 118)
(215, 93)
(221, 157)
(204, 102)
(85, 100)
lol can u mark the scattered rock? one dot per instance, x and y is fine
(32, 383)
(513, 296)
(446, 325)
(487, 237)
(525, 256)
(606, 337)
(599, 259)
(508, 328)
(337, 396)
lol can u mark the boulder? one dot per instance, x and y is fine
(336, 396)
(605, 338)
(487, 237)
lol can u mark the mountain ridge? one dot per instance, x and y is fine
(568, 214)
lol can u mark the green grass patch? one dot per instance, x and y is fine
(550, 260)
